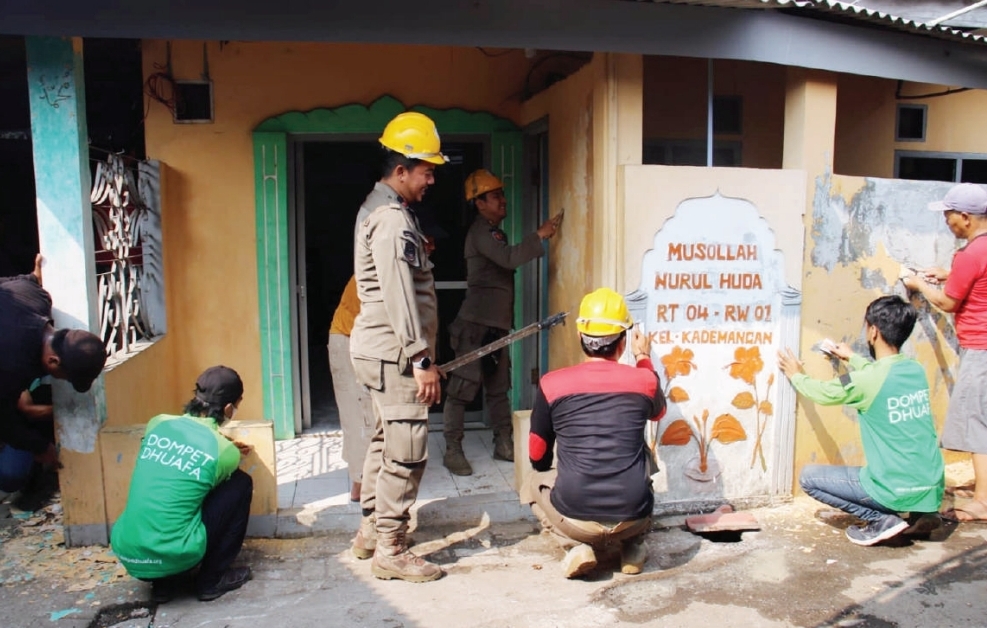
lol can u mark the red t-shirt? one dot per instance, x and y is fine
(967, 283)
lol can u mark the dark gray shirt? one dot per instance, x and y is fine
(490, 266)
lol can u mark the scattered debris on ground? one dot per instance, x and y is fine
(33, 545)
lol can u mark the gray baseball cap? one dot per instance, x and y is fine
(968, 198)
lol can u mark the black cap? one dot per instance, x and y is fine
(218, 385)
(81, 356)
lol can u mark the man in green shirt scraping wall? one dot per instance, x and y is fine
(904, 470)
(188, 504)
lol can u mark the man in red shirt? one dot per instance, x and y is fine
(596, 411)
(965, 295)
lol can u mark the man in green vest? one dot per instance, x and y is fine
(904, 470)
(189, 503)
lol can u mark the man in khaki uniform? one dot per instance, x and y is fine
(487, 313)
(392, 346)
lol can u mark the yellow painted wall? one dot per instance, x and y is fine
(136, 389)
(675, 103)
(213, 313)
(568, 105)
(144, 386)
(858, 278)
(210, 195)
(865, 124)
(120, 445)
(594, 126)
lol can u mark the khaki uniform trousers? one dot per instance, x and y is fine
(398, 448)
(356, 410)
(464, 383)
(570, 532)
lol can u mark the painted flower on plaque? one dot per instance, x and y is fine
(725, 428)
(747, 365)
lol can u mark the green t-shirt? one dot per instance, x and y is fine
(904, 470)
(181, 459)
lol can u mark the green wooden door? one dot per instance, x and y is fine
(271, 172)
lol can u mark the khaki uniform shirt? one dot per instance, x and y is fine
(398, 309)
(381, 195)
(490, 265)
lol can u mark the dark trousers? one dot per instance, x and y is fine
(15, 468)
(225, 512)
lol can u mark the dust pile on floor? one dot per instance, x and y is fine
(32, 546)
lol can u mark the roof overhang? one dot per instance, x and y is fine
(877, 13)
(595, 25)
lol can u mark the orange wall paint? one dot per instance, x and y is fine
(209, 197)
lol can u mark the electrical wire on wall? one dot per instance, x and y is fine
(899, 96)
(160, 85)
(494, 55)
(571, 61)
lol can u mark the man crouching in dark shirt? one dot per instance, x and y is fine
(596, 411)
(31, 348)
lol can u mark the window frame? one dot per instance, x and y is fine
(897, 122)
(958, 157)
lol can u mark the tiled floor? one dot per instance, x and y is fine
(313, 482)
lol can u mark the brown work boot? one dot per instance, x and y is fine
(393, 560)
(365, 541)
(633, 555)
(578, 561)
(503, 447)
(455, 460)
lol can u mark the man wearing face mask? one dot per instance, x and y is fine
(188, 503)
(487, 314)
(904, 470)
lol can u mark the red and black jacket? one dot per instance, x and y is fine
(597, 412)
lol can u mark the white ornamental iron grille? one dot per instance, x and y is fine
(117, 217)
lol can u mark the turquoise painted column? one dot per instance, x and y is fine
(65, 229)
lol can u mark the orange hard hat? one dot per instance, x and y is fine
(480, 182)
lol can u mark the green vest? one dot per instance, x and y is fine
(181, 459)
(905, 470)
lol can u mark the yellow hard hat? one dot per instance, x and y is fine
(603, 312)
(414, 135)
(480, 182)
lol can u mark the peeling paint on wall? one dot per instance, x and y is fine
(888, 212)
(885, 218)
(863, 230)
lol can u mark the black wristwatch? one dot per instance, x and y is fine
(422, 364)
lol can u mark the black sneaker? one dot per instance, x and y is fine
(886, 527)
(921, 526)
(163, 590)
(233, 578)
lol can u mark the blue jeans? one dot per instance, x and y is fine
(840, 487)
(15, 468)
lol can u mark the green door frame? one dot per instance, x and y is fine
(271, 176)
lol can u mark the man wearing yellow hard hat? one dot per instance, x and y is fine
(595, 413)
(487, 313)
(392, 345)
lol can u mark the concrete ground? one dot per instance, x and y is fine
(797, 570)
(314, 486)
